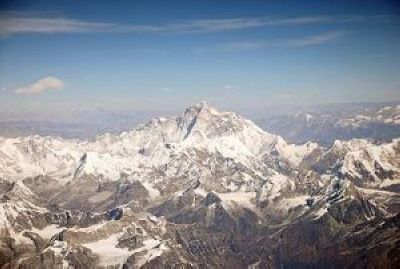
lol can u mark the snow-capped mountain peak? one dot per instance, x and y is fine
(128, 198)
(198, 110)
(201, 128)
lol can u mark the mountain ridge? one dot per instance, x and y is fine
(205, 182)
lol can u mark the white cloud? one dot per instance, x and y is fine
(44, 84)
(245, 45)
(17, 22)
(313, 40)
(13, 25)
(214, 25)
(228, 87)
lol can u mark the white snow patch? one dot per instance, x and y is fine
(200, 192)
(154, 193)
(389, 182)
(293, 202)
(153, 251)
(108, 252)
(48, 232)
(111, 255)
(322, 211)
(241, 198)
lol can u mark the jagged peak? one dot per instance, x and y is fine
(200, 108)
(204, 120)
(192, 113)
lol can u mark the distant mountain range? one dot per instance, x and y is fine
(322, 125)
(206, 189)
(319, 123)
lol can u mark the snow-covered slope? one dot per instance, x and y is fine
(364, 162)
(200, 132)
(160, 193)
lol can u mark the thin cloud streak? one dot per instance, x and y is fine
(51, 25)
(245, 45)
(317, 39)
(14, 23)
(313, 40)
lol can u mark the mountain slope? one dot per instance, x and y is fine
(206, 187)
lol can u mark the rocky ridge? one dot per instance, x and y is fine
(206, 187)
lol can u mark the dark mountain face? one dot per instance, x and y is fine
(207, 189)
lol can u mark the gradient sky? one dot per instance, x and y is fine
(166, 55)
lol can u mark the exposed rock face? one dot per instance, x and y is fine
(211, 198)
(207, 189)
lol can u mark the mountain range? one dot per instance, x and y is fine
(206, 189)
(325, 124)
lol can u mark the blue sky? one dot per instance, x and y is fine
(166, 55)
